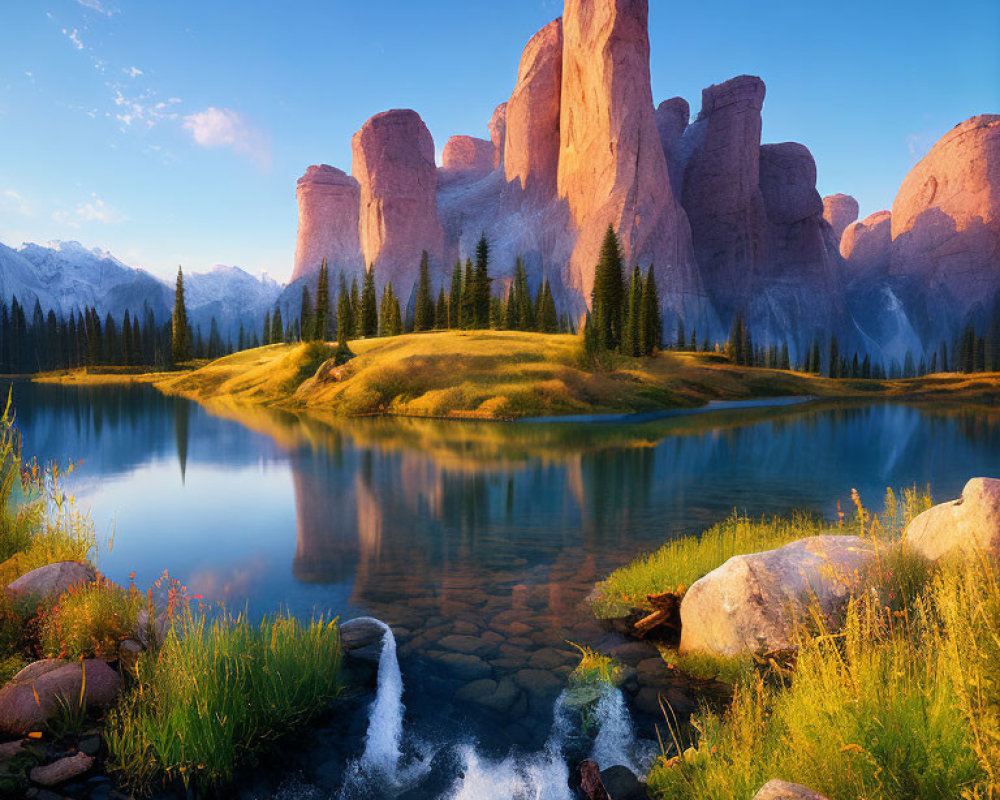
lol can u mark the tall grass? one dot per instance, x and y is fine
(679, 563)
(90, 621)
(216, 694)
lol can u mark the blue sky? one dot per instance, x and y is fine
(173, 131)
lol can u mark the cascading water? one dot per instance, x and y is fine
(615, 742)
(385, 724)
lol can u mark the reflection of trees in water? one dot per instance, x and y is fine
(182, 425)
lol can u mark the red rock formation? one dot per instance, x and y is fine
(531, 151)
(498, 132)
(946, 216)
(393, 160)
(840, 210)
(672, 117)
(722, 188)
(611, 166)
(328, 221)
(469, 154)
(865, 245)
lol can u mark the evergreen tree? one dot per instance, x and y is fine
(631, 325)
(127, 357)
(423, 315)
(786, 362)
(356, 308)
(345, 319)
(265, 338)
(650, 322)
(681, 341)
(482, 283)
(390, 319)
(321, 321)
(441, 311)
(607, 301)
(307, 318)
(277, 327)
(241, 342)
(369, 308)
(180, 345)
(468, 304)
(834, 367)
(455, 297)
(547, 319)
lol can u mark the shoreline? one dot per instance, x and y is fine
(633, 418)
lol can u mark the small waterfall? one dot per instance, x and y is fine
(615, 742)
(385, 724)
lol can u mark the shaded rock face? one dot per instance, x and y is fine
(865, 245)
(782, 790)
(21, 712)
(756, 602)
(469, 154)
(328, 221)
(612, 169)
(722, 188)
(946, 217)
(393, 161)
(498, 133)
(362, 638)
(840, 210)
(963, 527)
(672, 117)
(788, 183)
(531, 151)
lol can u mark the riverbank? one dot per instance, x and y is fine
(501, 375)
(889, 693)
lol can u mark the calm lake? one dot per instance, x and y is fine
(476, 542)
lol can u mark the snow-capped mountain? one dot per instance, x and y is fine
(65, 276)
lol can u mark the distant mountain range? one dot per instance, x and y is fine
(66, 276)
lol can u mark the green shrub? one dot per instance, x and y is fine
(218, 693)
(91, 621)
(595, 668)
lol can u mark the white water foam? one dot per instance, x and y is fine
(615, 742)
(385, 724)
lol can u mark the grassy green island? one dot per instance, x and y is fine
(505, 375)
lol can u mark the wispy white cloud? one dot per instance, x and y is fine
(223, 127)
(132, 72)
(93, 210)
(12, 202)
(74, 37)
(99, 6)
(143, 109)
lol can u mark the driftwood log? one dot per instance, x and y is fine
(666, 612)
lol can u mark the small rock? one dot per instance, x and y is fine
(539, 682)
(781, 790)
(466, 667)
(962, 527)
(149, 634)
(622, 784)
(90, 745)
(494, 695)
(50, 581)
(21, 712)
(9, 750)
(587, 780)
(361, 638)
(548, 658)
(65, 769)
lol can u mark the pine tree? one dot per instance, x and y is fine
(241, 342)
(547, 319)
(321, 321)
(607, 300)
(277, 327)
(786, 362)
(307, 319)
(441, 311)
(390, 319)
(127, 357)
(356, 308)
(631, 325)
(482, 283)
(468, 303)
(681, 341)
(265, 338)
(650, 323)
(345, 312)
(369, 308)
(455, 297)
(180, 345)
(834, 367)
(423, 315)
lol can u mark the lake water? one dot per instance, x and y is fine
(476, 542)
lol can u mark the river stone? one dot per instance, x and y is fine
(757, 602)
(361, 638)
(622, 784)
(539, 682)
(466, 667)
(9, 750)
(781, 790)
(497, 696)
(65, 769)
(962, 527)
(549, 658)
(468, 645)
(21, 713)
(50, 581)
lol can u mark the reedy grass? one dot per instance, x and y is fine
(91, 621)
(216, 694)
(594, 668)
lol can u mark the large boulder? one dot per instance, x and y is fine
(757, 602)
(362, 637)
(32, 697)
(865, 245)
(531, 152)
(722, 187)
(393, 161)
(468, 154)
(840, 210)
(782, 790)
(50, 581)
(328, 222)
(946, 216)
(963, 527)
(612, 170)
